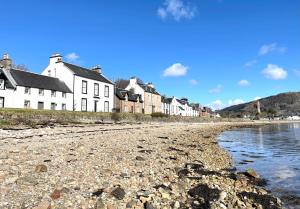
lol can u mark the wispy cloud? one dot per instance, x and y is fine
(235, 102)
(257, 98)
(72, 57)
(176, 9)
(243, 83)
(250, 63)
(216, 90)
(297, 72)
(193, 82)
(175, 70)
(273, 47)
(274, 72)
(218, 104)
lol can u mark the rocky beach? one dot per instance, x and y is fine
(151, 165)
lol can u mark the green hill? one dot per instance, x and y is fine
(284, 104)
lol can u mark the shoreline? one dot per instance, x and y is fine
(174, 165)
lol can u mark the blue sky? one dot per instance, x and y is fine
(216, 52)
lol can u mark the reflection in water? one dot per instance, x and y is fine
(273, 150)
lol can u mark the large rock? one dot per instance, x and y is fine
(118, 193)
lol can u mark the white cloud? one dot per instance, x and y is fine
(297, 72)
(216, 105)
(250, 63)
(235, 102)
(175, 70)
(216, 90)
(274, 72)
(176, 9)
(268, 48)
(73, 57)
(257, 98)
(193, 82)
(244, 83)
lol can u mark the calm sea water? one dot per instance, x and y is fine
(274, 152)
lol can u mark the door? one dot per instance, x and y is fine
(96, 106)
(40, 105)
(1, 102)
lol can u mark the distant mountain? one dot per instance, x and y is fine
(285, 104)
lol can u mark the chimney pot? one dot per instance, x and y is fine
(97, 69)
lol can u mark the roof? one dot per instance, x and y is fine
(27, 79)
(166, 100)
(148, 89)
(121, 94)
(121, 83)
(87, 73)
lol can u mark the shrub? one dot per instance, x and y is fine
(159, 115)
(115, 116)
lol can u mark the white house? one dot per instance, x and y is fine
(20, 89)
(92, 91)
(166, 105)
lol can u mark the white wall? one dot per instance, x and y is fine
(90, 95)
(16, 98)
(60, 71)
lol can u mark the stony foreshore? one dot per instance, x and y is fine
(172, 165)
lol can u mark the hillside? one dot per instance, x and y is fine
(284, 104)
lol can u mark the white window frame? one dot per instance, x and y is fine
(63, 106)
(53, 104)
(83, 104)
(2, 100)
(41, 92)
(27, 90)
(96, 90)
(84, 87)
(53, 93)
(64, 95)
(106, 91)
(2, 84)
(106, 106)
(26, 104)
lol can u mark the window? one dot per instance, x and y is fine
(125, 109)
(40, 105)
(27, 90)
(83, 104)
(2, 84)
(53, 106)
(96, 89)
(26, 104)
(106, 91)
(64, 95)
(63, 106)
(53, 93)
(41, 92)
(106, 106)
(84, 87)
(1, 102)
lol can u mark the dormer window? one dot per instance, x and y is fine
(2, 84)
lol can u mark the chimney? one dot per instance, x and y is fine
(97, 69)
(149, 84)
(133, 80)
(55, 58)
(6, 62)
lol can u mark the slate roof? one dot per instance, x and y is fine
(7, 81)
(148, 89)
(121, 93)
(33, 80)
(166, 100)
(87, 73)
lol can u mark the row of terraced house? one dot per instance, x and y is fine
(69, 87)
